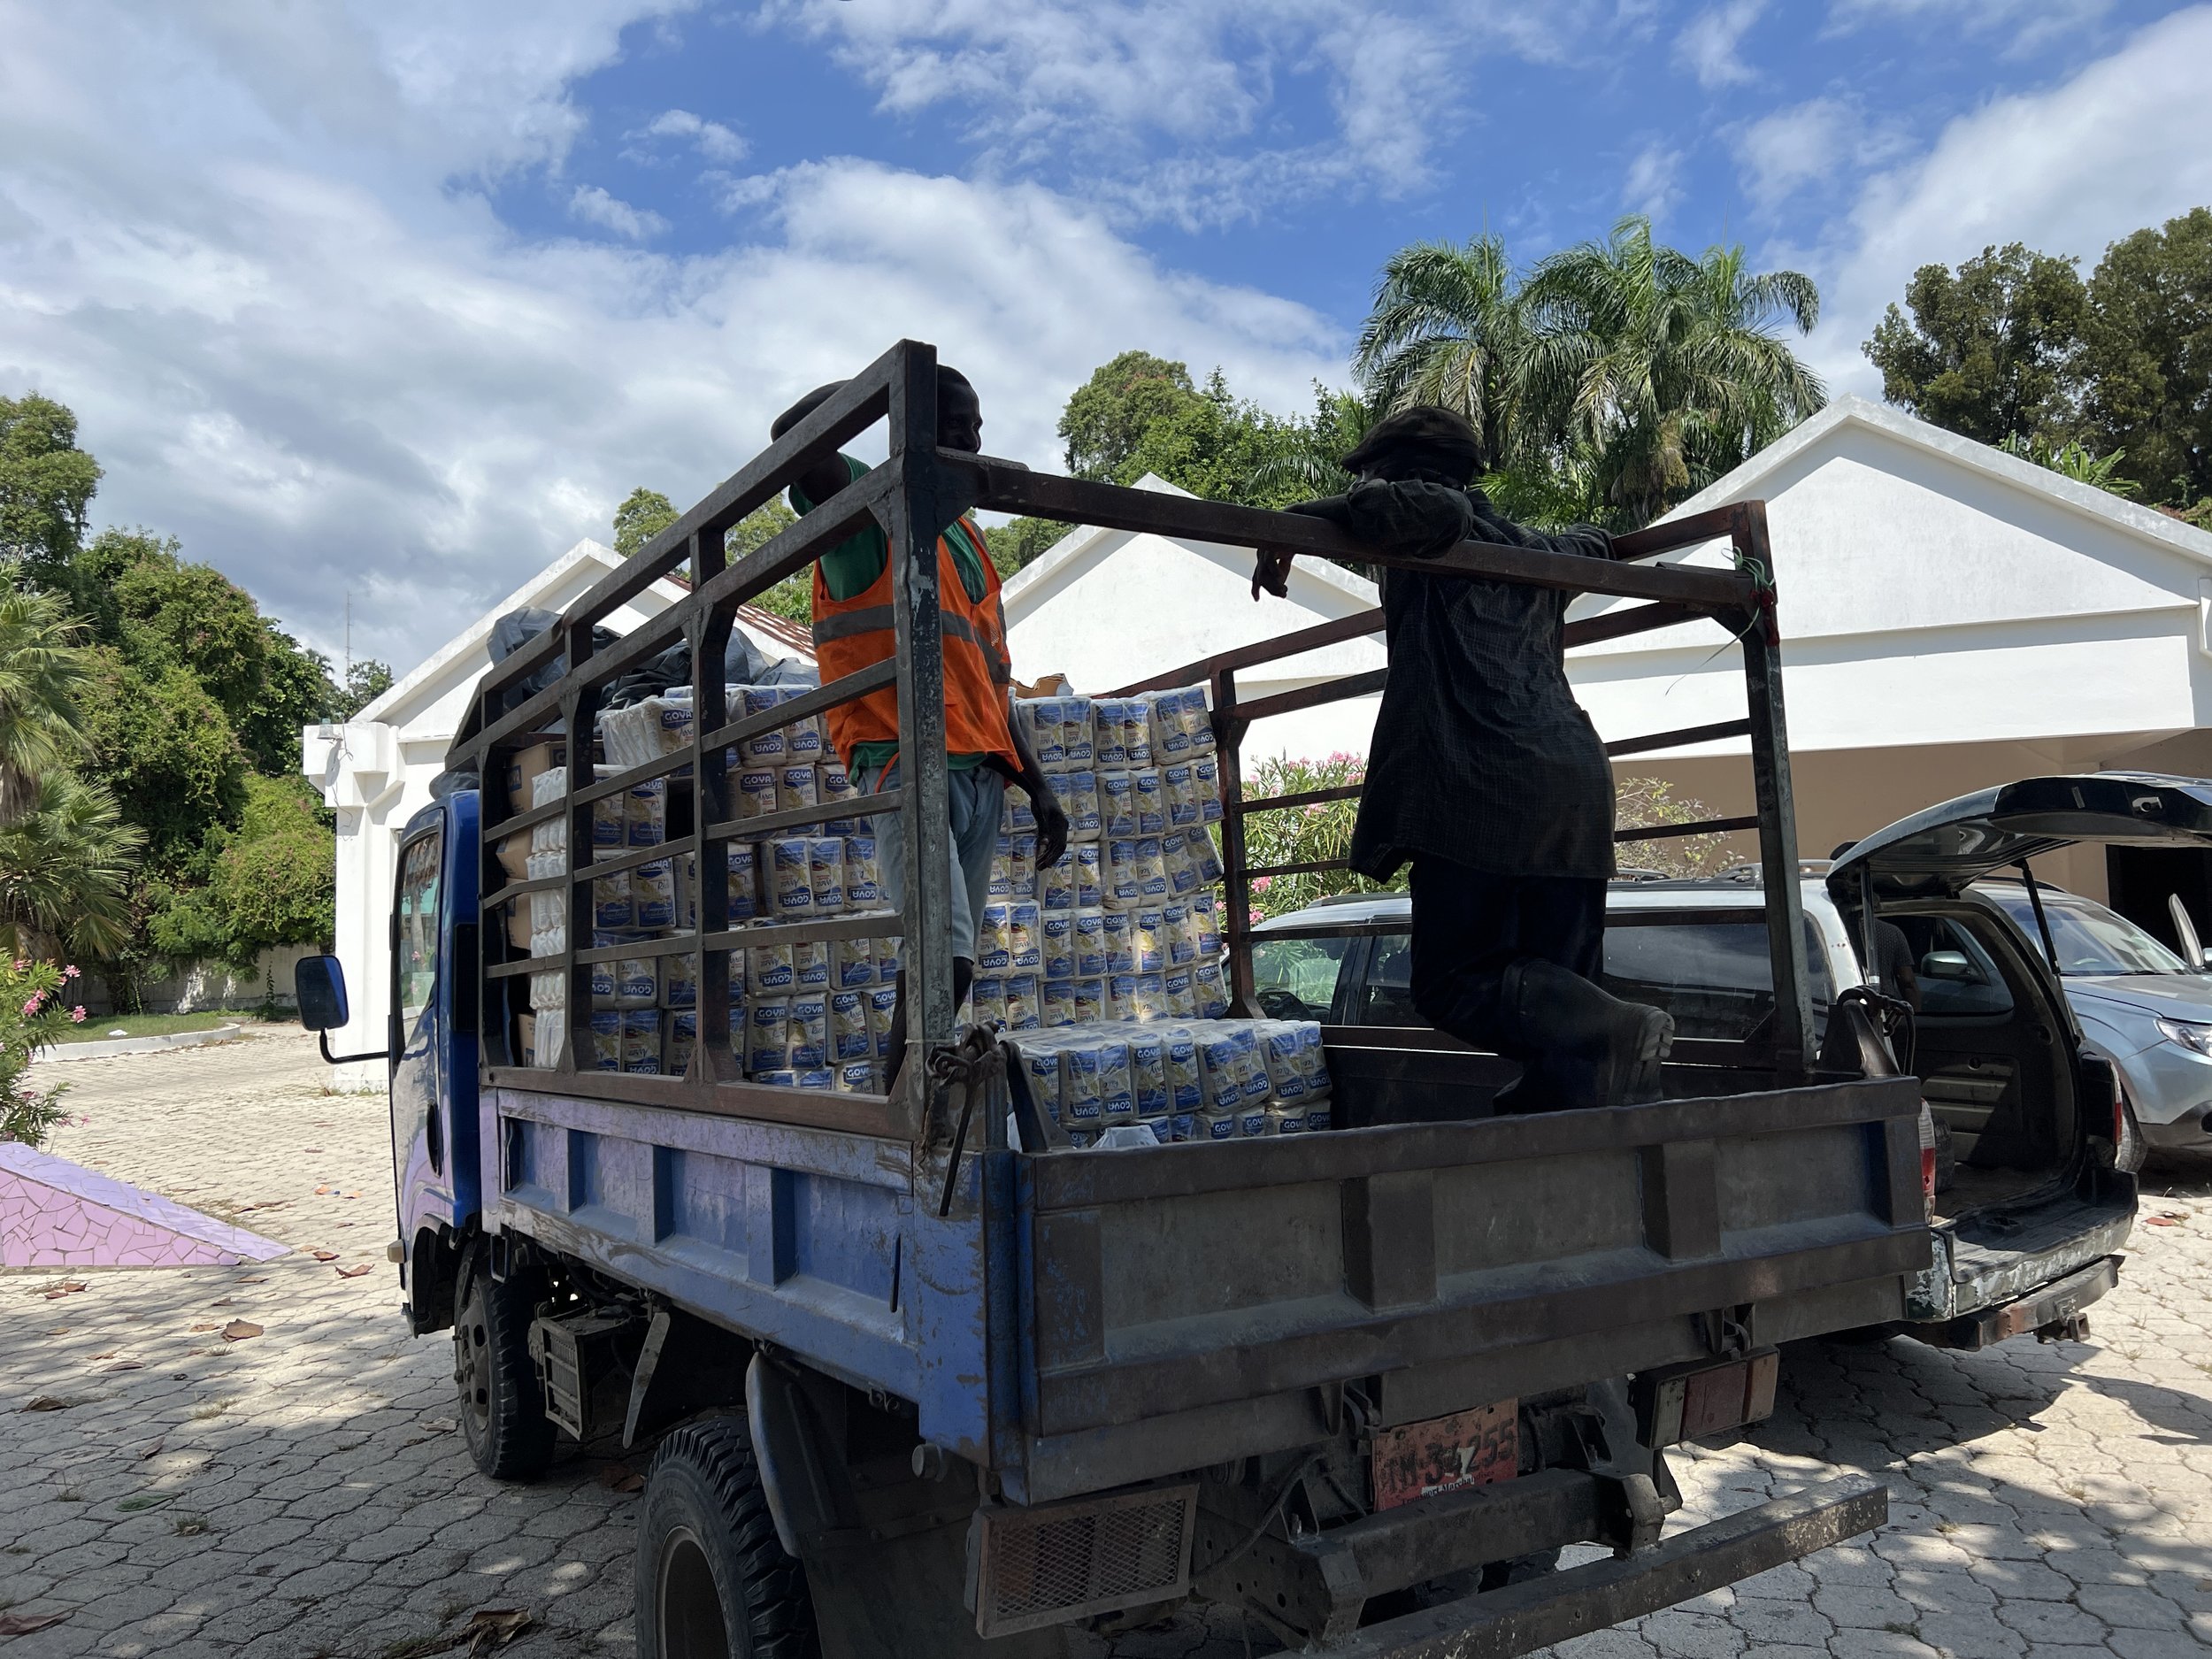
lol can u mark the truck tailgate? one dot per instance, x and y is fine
(1458, 1262)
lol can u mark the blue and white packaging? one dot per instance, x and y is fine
(1151, 803)
(849, 1038)
(1056, 887)
(1148, 1072)
(1117, 805)
(653, 895)
(768, 1040)
(605, 1053)
(1024, 953)
(811, 965)
(1089, 891)
(1185, 1080)
(1056, 944)
(1023, 1002)
(1121, 951)
(1086, 946)
(810, 1029)
(825, 873)
(1117, 1095)
(645, 813)
(641, 1040)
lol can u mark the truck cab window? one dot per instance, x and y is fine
(1295, 978)
(415, 949)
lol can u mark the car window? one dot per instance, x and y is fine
(415, 962)
(1716, 978)
(1295, 978)
(1958, 976)
(2089, 938)
(1387, 998)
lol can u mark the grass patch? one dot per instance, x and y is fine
(191, 1525)
(146, 1500)
(208, 1409)
(102, 1027)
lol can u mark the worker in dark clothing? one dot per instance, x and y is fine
(1489, 778)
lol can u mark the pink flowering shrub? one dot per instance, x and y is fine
(34, 990)
(1313, 834)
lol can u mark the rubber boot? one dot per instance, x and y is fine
(1593, 1050)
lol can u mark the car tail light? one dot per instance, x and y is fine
(1927, 1158)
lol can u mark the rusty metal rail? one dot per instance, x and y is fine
(914, 492)
(1740, 600)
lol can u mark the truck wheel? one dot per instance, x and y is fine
(713, 1582)
(503, 1412)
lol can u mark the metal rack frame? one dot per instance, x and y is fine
(918, 490)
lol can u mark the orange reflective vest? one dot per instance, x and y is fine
(850, 635)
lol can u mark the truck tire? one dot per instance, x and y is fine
(502, 1411)
(713, 1582)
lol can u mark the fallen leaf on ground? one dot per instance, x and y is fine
(60, 1330)
(46, 1402)
(493, 1627)
(621, 1478)
(207, 1325)
(239, 1330)
(438, 1425)
(128, 1364)
(2158, 1221)
(151, 1451)
(251, 1281)
(24, 1623)
(225, 1302)
(325, 1256)
(355, 1272)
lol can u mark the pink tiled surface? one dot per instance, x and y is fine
(54, 1213)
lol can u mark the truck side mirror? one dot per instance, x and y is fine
(1946, 964)
(319, 985)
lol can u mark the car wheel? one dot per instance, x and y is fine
(502, 1410)
(2128, 1156)
(713, 1582)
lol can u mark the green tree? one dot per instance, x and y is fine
(365, 681)
(1110, 414)
(46, 482)
(1987, 350)
(1021, 542)
(1646, 375)
(267, 882)
(66, 870)
(2073, 459)
(792, 597)
(166, 749)
(1448, 327)
(642, 517)
(2146, 361)
(45, 673)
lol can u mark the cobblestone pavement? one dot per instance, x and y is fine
(303, 1491)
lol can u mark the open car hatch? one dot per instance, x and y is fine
(1938, 852)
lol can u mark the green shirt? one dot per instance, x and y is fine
(849, 568)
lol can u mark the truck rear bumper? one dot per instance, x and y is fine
(1523, 1617)
(2055, 1305)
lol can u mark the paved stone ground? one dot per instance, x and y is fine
(302, 1492)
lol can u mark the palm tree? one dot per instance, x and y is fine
(65, 867)
(44, 673)
(1447, 327)
(1655, 373)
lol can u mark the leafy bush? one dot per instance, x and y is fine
(1322, 830)
(33, 1009)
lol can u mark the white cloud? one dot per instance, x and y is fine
(2127, 143)
(1092, 90)
(594, 206)
(1710, 47)
(715, 142)
(293, 340)
(1654, 182)
(2029, 23)
(1809, 143)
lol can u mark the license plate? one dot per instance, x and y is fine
(1447, 1454)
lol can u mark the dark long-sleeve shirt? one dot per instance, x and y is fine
(1480, 754)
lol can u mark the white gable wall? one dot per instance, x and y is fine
(1952, 617)
(1108, 608)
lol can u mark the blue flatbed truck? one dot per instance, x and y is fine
(924, 1380)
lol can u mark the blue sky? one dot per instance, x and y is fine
(398, 297)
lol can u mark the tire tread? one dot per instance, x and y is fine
(778, 1611)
